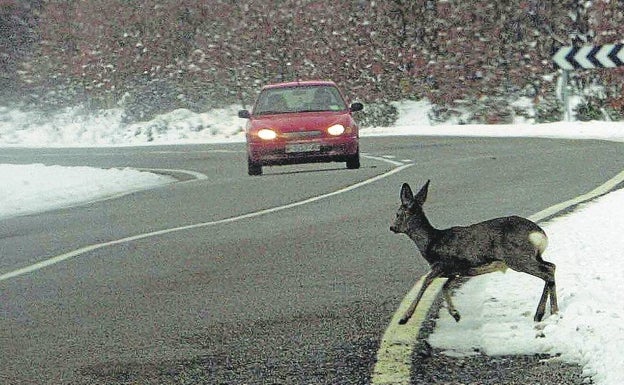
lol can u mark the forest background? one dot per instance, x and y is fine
(150, 57)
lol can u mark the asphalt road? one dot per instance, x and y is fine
(296, 296)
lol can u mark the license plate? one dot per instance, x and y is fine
(303, 147)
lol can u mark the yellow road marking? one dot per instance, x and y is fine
(394, 357)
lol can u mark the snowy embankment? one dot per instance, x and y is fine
(74, 127)
(28, 189)
(497, 309)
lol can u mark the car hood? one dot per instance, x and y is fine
(301, 121)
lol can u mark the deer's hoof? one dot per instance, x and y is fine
(456, 316)
(403, 321)
(538, 317)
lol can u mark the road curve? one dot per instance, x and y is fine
(298, 295)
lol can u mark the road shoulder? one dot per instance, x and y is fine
(433, 366)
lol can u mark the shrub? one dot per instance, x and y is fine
(589, 110)
(491, 110)
(548, 110)
(149, 100)
(382, 114)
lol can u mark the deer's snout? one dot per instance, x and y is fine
(394, 229)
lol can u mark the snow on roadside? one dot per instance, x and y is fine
(612, 131)
(27, 189)
(76, 127)
(497, 309)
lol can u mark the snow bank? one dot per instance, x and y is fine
(497, 309)
(28, 189)
(73, 127)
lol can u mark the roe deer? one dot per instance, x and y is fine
(477, 249)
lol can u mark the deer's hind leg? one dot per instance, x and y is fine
(541, 269)
(552, 288)
(547, 273)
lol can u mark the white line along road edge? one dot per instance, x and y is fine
(72, 254)
(394, 357)
(193, 174)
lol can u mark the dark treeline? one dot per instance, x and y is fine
(150, 56)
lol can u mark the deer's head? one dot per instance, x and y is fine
(410, 209)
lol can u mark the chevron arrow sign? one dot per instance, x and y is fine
(588, 57)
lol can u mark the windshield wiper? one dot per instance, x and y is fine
(312, 110)
(271, 112)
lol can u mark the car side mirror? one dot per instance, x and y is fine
(244, 114)
(356, 107)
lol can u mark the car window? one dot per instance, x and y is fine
(299, 99)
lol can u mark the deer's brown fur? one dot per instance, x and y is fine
(465, 251)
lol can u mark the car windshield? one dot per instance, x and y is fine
(299, 99)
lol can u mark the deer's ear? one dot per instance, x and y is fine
(407, 197)
(421, 197)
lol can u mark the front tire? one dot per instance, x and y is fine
(253, 168)
(353, 161)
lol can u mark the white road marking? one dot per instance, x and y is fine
(75, 253)
(194, 174)
(384, 159)
(394, 357)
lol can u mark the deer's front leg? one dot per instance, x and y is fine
(433, 274)
(447, 297)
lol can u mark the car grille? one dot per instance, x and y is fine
(301, 134)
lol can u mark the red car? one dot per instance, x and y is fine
(301, 122)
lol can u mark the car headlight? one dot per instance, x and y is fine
(267, 134)
(336, 129)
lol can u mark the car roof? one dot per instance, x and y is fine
(305, 83)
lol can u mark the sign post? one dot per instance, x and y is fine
(569, 58)
(564, 95)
